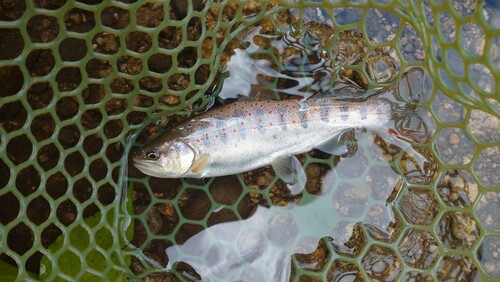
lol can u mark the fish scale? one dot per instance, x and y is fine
(246, 135)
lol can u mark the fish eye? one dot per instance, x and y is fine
(152, 155)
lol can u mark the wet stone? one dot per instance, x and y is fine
(150, 15)
(349, 200)
(382, 264)
(458, 230)
(487, 211)
(486, 167)
(79, 20)
(489, 253)
(455, 267)
(194, 204)
(447, 110)
(115, 17)
(226, 190)
(454, 146)
(159, 63)
(42, 29)
(138, 41)
(419, 206)
(129, 64)
(457, 188)
(485, 127)
(154, 221)
(106, 43)
(383, 182)
(416, 276)
(98, 68)
(341, 270)
(419, 249)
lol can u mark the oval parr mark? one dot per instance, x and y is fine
(344, 112)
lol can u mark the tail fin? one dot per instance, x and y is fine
(411, 119)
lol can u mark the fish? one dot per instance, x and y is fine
(246, 135)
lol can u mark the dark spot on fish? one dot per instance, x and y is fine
(238, 113)
(323, 113)
(259, 114)
(303, 119)
(344, 112)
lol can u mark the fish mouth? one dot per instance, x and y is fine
(140, 165)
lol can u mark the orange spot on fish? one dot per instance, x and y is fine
(271, 124)
(198, 140)
(223, 130)
(270, 112)
(293, 106)
(242, 123)
(249, 114)
(217, 136)
(234, 130)
(294, 121)
(206, 136)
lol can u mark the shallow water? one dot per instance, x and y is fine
(371, 214)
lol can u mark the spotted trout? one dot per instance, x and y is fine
(246, 135)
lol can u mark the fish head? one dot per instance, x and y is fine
(166, 160)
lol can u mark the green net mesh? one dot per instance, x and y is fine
(78, 77)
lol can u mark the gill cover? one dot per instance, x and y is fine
(169, 160)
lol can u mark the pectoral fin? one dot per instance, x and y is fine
(335, 146)
(290, 171)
